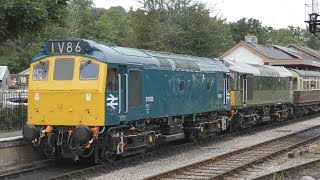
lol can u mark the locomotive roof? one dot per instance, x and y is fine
(122, 55)
(257, 69)
(306, 73)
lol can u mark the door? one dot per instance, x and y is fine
(226, 94)
(244, 88)
(134, 93)
(124, 94)
(114, 94)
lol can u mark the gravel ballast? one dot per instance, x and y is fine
(145, 169)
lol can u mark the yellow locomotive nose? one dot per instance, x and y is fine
(67, 91)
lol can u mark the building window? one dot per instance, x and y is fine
(40, 71)
(112, 83)
(63, 69)
(135, 88)
(89, 70)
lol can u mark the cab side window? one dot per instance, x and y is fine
(40, 71)
(135, 88)
(112, 81)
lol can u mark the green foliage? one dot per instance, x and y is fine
(244, 27)
(181, 27)
(21, 16)
(291, 35)
(114, 26)
(313, 42)
(13, 119)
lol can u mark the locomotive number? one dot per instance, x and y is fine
(64, 47)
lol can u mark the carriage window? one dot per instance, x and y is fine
(89, 70)
(40, 71)
(305, 86)
(112, 83)
(63, 69)
(295, 84)
(135, 88)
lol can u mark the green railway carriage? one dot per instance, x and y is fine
(259, 92)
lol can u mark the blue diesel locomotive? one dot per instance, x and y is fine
(99, 100)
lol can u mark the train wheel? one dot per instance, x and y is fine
(110, 157)
(191, 136)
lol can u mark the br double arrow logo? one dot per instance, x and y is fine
(113, 101)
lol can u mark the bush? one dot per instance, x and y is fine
(13, 118)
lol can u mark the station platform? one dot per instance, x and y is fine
(10, 135)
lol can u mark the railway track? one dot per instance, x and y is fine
(287, 172)
(61, 172)
(229, 164)
(107, 167)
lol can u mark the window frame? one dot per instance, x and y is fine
(181, 86)
(129, 90)
(38, 64)
(73, 69)
(209, 84)
(116, 80)
(89, 79)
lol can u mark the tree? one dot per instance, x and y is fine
(114, 26)
(244, 27)
(27, 16)
(286, 36)
(180, 26)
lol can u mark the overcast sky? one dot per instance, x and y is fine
(274, 13)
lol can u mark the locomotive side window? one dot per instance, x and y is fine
(135, 88)
(240, 82)
(40, 71)
(89, 70)
(181, 86)
(63, 69)
(208, 85)
(220, 83)
(232, 81)
(112, 83)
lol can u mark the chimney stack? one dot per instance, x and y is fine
(269, 43)
(251, 39)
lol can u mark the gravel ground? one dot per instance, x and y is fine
(145, 169)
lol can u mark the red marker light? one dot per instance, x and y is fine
(70, 131)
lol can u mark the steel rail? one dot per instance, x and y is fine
(233, 162)
(105, 167)
(24, 169)
(288, 171)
